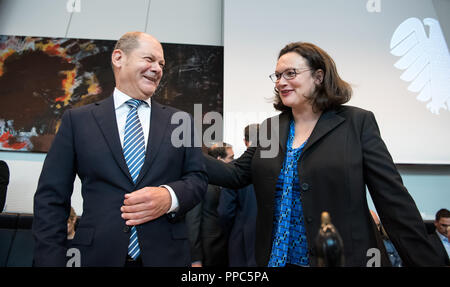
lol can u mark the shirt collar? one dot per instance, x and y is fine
(120, 98)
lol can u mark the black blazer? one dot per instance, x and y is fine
(88, 145)
(434, 239)
(237, 214)
(344, 154)
(206, 235)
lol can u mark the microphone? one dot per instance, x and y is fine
(328, 245)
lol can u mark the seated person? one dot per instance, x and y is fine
(442, 223)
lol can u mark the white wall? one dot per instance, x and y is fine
(171, 21)
(429, 185)
(358, 40)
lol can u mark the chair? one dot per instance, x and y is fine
(8, 225)
(22, 248)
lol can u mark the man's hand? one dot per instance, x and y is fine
(145, 204)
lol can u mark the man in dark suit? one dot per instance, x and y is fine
(136, 184)
(206, 235)
(237, 213)
(4, 181)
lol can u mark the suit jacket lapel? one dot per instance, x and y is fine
(283, 133)
(106, 119)
(159, 120)
(326, 123)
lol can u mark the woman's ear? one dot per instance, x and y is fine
(318, 76)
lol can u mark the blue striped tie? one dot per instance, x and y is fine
(134, 152)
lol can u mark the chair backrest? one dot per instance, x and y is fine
(9, 220)
(8, 226)
(6, 240)
(16, 240)
(25, 221)
(22, 249)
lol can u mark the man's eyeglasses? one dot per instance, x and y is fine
(289, 74)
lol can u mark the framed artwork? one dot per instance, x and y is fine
(40, 78)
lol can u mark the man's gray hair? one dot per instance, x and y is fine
(128, 42)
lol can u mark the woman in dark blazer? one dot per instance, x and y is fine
(328, 154)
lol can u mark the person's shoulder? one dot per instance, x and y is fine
(166, 108)
(4, 172)
(353, 113)
(88, 107)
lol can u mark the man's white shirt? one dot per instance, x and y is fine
(144, 113)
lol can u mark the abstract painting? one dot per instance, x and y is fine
(40, 78)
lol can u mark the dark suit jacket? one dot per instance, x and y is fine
(344, 154)
(4, 181)
(436, 241)
(207, 237)
(237, 213)
(88, 145)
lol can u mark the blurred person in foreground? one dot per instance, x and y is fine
(4, 181)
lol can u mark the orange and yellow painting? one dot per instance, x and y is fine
(40, 78)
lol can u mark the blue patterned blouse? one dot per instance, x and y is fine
(289, 235)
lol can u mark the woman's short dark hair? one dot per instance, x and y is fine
(332, 92)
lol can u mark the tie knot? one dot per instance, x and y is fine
(133, 103)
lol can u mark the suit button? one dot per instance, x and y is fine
(309, 219)
(305, 186)
(126, 229)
